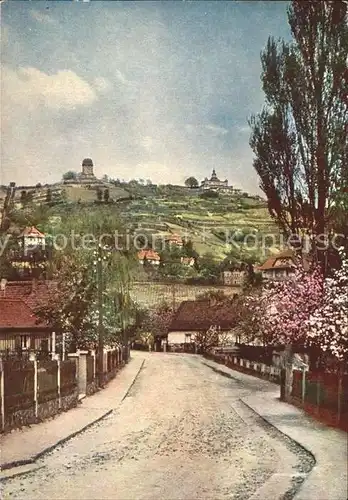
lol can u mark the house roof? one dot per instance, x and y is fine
(15, 313)
(174, 237)
(148, 254)
(200, 315)
(32, 231)
(284, 260)
(33, 293)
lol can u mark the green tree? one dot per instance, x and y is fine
(208, 266)
(209, 194)
(49, 196)
(106, 195)
(23, 198)
(191, 182)
(75, 309)
(188, 250)
(99, 194)
(70, 176)
(300, 138)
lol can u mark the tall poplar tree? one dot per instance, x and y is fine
(300, 139)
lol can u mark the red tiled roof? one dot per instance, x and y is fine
(198, 315)
(148, 254)
(32, 293)
(283, 260)
(174, 237)
(15, 313)
(32, 231)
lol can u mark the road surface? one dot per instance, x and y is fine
(181, 433)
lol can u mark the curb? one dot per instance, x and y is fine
(32, 460)
(281, 432)
(225, 374)
(135, 378)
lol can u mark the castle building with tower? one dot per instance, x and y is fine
(215, 184)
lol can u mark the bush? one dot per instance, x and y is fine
(209, 194)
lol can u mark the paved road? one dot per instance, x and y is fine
(181, 433)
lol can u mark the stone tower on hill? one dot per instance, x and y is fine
(87, 175)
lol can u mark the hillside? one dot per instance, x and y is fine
(158, 211)
(206, 222)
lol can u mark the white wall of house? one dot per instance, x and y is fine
(189, 336)
(180, 337)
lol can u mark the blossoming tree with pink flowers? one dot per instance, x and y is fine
(288, 304)
(328, 324)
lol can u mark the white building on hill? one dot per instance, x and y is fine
(215, 184)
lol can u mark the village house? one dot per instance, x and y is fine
(233, 277)
(149, 256)
(174, 239)
(188, 261)
(20, 329)
(281, 266)
(197, 316)
(31, 238)
(30, 258)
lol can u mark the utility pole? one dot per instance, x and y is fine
(100, 317)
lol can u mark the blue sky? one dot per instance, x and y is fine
(158, 90)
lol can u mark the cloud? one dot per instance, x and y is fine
(210, 129)
(42, 17)
(31, 88)
(216, 130)
(244, 129)
(147, 143)
(103, 85)
(121, 78)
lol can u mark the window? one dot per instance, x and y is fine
(25, 342)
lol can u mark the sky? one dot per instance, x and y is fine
(153, 90)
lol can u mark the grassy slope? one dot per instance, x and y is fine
(178, 210)
(195, 218)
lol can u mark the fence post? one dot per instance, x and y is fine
(318, 393)
(303, 385)
(36, 387)
(339, 396)
(2, 392)
(58, 383)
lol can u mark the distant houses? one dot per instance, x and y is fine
(196, 316)
(282, 265)
(174, 239)
(149, 256)
(29, 259)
